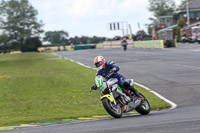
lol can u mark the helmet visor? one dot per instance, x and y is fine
(98, 64)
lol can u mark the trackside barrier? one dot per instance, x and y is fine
(99, 46)
(80, 47)
(149, 44)
(114, 44)
(48, 48)
(175, 43)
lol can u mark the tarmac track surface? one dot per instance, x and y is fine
(174, 73)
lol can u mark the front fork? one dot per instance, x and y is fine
(113, 98)
(110, 97)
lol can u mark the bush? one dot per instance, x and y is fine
(31, 45)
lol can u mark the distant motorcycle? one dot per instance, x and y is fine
(124, 44)
(125, 47)
(117, 100)
(184, 38)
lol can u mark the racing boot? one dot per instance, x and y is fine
(134, 91)
(127, 86)
(137, 99)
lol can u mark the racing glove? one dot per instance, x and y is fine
(94, 87)
(113, 70)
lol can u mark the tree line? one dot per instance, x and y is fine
(20, 29)
(62, 38)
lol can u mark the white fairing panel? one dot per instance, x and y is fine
(112, 81)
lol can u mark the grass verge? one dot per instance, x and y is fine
(38, 87)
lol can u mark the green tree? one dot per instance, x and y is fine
(162, 7)
(74, 40)
(141, 33)
(31, 44)
(96, 39)
(178, 28)
(149, 29)
(56, 37)
(183, 4)
(84, 40)
(3, 40)
(18, 22)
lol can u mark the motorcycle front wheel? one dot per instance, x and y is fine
(114, 110)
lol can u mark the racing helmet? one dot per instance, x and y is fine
(99, 62)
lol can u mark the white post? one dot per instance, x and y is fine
(188, 16)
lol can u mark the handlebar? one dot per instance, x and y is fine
(106, 78)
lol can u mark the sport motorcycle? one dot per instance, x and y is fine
(116, 100)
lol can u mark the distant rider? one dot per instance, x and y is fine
(104, 68)
(124, 44)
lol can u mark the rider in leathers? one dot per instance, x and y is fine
(104, 68)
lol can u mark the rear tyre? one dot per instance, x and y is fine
(144, 107)
(114, 110)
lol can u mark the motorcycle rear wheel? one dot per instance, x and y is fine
(144, 107)
(114, 110)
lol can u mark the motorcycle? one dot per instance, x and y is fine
(184, 39)
(117, 100)
(124, 45)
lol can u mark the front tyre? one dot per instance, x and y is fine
(144, 107)
(114, 110)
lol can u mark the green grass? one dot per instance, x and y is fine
(35, 88)
(155, 102)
